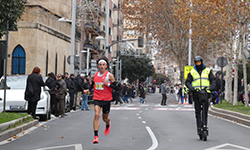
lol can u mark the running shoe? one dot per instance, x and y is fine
(95, 141)
(107, 130)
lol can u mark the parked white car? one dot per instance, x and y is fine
(15, 102)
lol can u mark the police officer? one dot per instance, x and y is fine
(200, 78)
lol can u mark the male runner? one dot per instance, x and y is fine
(103, 83)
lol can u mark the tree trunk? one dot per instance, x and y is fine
(244, 73)
(228, 80)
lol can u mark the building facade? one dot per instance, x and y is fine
(41, 40)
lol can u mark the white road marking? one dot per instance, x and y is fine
(139, 117)
(173, 105)
(130, 105)
(146, 108)
(188, 106)
(140, 111)
(154, 140)
(137, 114)
(174, 109)
(143, 121)
(124, 108)
(77, 147)
(220, 147)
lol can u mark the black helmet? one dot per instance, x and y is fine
(198, 58)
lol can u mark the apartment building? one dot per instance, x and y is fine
(43, 41)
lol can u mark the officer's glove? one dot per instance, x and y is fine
(192, 90)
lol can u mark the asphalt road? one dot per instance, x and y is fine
(134, 126)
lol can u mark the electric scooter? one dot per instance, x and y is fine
(204, 129)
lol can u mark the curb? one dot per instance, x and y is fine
(234, 116)
(11, 132)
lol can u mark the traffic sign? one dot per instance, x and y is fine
(221, 61)
(187, 69)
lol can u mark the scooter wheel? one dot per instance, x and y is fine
(205, 136)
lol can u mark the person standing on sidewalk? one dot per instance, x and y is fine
(72, 89)
(53, 85)
(34, 82)
(164, 92)
(103, 84)
(60, 95)
(78, 84)
(85, 94)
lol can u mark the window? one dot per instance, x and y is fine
(64, 64)
(110, 13)
(110, 31)
(56, 65)
(47, 62)
(18, 60)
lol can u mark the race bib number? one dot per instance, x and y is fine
(99, 86)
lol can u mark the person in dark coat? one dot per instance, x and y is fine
(72, 89)
(118, 94)
(141, 95)
(60, 96)
(130, 92)
(124, 93)
(53, 85)
(36, 80)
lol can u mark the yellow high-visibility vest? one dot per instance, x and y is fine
(200, 82)
(185, 89)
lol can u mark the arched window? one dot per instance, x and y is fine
(18, 60)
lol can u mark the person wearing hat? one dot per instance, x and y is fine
(200, 78)
(164, 92)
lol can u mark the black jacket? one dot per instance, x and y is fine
(142, 92)
(130, 91)
(71, 85)
(78, 82)
(36, 81)
(52, 84)
(210, 77)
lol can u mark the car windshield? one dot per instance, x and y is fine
(16, 82)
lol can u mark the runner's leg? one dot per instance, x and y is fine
(96, 122)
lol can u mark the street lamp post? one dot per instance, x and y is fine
(87, 61)
(72, 43)
(107, 27)
(73, 28)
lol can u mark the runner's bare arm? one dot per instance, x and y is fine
(114, 84)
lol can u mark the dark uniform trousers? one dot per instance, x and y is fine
(198, 115)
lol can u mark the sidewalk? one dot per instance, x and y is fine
(8, 133)
(230, 115)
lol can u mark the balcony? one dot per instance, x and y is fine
(92, 28)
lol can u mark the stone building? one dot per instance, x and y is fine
(40, 40)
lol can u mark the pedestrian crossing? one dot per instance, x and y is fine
(157, 107)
